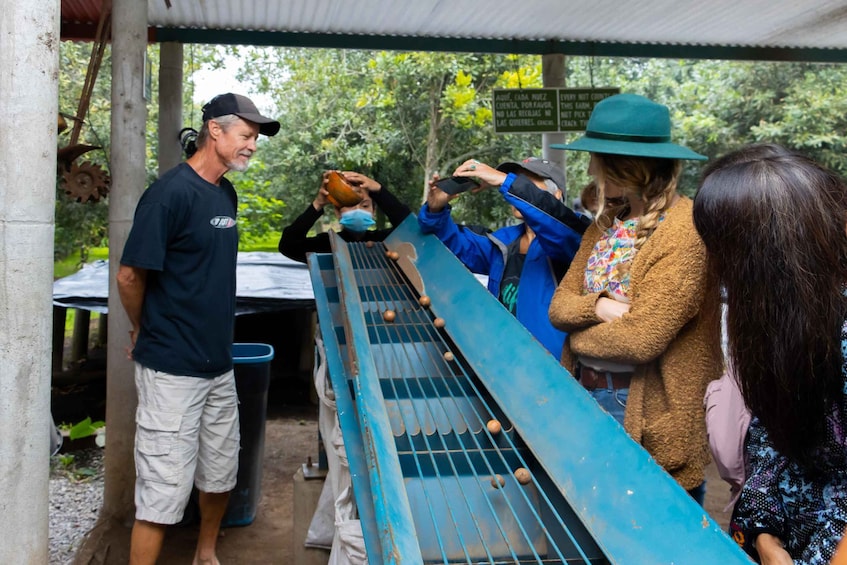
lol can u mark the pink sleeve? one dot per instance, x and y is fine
(727, 419)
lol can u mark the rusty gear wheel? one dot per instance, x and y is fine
(85, 181)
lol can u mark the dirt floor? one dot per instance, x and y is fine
(291, 439)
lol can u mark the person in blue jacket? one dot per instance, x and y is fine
(524, 262)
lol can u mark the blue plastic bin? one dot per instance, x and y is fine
(252, 365)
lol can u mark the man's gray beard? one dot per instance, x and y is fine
(236, 166)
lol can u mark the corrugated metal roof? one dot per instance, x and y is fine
(778, 28)
(80, 10)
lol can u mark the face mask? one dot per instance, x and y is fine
(356, 220)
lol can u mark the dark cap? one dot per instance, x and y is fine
(541, 167)
(241, 106)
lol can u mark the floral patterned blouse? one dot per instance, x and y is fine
(808, 514)
(608, 264)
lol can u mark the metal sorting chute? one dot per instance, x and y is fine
(433, 483)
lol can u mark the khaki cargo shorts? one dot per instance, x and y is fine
(186, 435)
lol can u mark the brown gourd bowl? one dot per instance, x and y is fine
(341, 194)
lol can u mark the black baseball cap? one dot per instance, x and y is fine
(241, 106)
(541, 167)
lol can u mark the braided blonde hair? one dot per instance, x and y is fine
(652, 180)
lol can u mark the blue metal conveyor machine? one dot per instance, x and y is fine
(467, 441)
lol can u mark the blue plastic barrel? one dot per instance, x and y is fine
(252, 365)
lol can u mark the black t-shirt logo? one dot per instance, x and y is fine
(222, 222)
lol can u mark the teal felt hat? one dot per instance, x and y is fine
(629, 124)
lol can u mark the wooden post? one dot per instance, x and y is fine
(129, 116)
(59, 315)
(102, 330)
(553, 74)
(79, 345)
(170, 105)
(129, 148)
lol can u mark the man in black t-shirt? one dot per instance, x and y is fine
(177, 284)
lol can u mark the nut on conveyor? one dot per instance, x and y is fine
(494, 426)
(522, 475)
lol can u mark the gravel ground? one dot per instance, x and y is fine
(76, 493)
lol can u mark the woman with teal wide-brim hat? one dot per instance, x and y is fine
(643, 322)
(629, 124)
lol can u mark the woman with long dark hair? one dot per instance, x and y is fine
(775, 228)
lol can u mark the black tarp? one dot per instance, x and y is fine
(266, 282)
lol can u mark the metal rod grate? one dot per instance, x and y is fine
(467, 503)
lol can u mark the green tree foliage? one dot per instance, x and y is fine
(718, 106)
(401, 117)
(83, 225)
(397, 117)
(259, 216)
(80, 226)
(810, 116)
(441, 105)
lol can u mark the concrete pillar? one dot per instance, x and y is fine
(170, 105)
(29, 69)
(553, 75)
(129, 114)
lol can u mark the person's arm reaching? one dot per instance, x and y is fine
(558, 228)
(471, 248)
(295, 242)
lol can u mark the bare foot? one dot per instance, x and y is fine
(211, 561)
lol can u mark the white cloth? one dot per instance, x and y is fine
(336, 505)
(56, 439)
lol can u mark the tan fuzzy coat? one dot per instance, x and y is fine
(671, 334)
